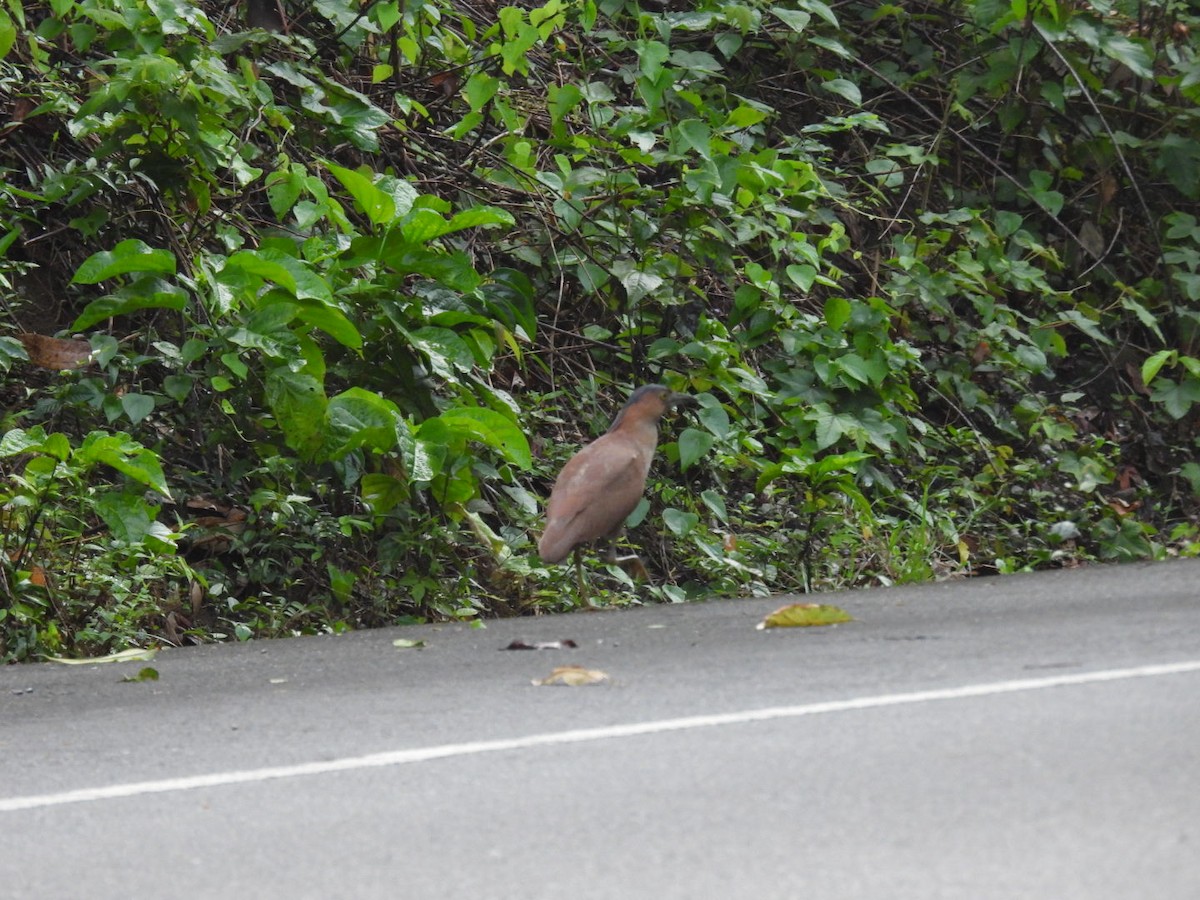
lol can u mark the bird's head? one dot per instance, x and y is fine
(652, 402)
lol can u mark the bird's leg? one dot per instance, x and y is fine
(632, 563)
(583, 592)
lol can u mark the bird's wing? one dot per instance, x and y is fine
(595, 472)
(595, 492)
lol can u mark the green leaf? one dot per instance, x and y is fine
(480, 89)
(17, 441)
(795, 19)
(837, 462)
(258, 265)
(1177, 398)
(178, 387)
(802, 275)
(298, 403)
(359, 418)
(146, 673)
(845, 89)
(128, 256)
(119, 451)
(145, 293)
(378, 206)
(447, 352)
(128, 517)
(1154, 364)
(697, 135)
(681, 523)
(333, 322)
(693, 444)
(382, 493)
(479, 216)
(716, 503)
(494, 429)
(137, 406)
(1084, 324)
(837, 312)
(8, 34)
(745, 116)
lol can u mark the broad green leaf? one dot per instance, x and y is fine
(639, 284)
(802, 275)
(378, 206)
(712, 415)
(795, 19)
(1084, 324)
(1177, 398)
(845, 89)
(837, 462)
(298, 402)
(137, 406)
(745, 116)
(681, 523)
(1154, 364)
(716, 503)
(494, 429)
(178, 387)
(479, 216)
(128, 256)
(651, 56)
(693, 444)
(145, 293)
(382, 493)
(119, 451)
(697, 135)
(361, 419)
(837, 312)
(17, 441)
(333, 322)
(127, 516)
(480, 89)
(1179, 160)
(821, 9)
(146, 673)
(423, 225)
(8, 34)
(260, 265)
(447, 352)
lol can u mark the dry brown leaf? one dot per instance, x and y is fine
(56, 353)
(572, 676)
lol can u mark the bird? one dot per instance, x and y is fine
(601, 485)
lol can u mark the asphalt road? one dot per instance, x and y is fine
(1022, 737)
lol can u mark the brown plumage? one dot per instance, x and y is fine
(601, 484)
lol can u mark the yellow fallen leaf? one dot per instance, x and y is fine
(804, 615)
(572, 676)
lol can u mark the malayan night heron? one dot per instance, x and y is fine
(601, 484)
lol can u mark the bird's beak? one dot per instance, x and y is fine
(678, 401)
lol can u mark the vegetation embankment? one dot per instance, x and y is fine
(303, 307)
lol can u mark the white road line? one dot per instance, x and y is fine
(583, 735)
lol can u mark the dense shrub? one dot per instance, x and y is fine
(301, 318)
